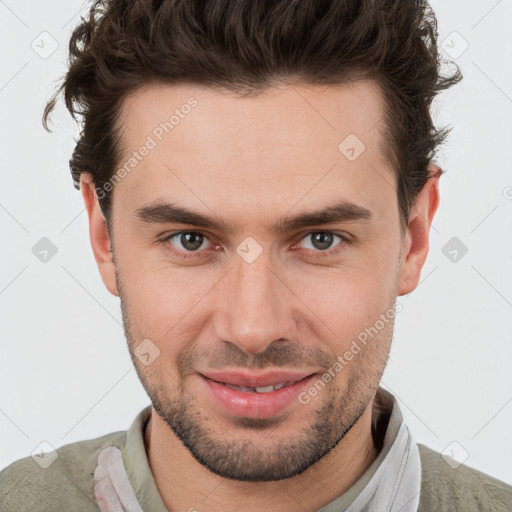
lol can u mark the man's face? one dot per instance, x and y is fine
(247, 299)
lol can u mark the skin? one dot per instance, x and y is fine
(250, 161)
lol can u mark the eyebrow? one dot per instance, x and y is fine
(163, 213)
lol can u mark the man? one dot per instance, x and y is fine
(259, 183)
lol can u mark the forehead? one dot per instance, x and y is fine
(289, 115)
(287, 140)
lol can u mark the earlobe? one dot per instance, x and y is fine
(99, 235)
(415, 243)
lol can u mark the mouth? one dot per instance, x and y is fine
(268, 395)
(261, 389)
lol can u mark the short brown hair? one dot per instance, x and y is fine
(247, 46)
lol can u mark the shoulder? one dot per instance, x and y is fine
(460, 488)
(65, 484)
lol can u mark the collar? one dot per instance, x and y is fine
(392, 482)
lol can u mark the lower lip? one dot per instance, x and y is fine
(250, 404)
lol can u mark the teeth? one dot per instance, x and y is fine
(238, 388)
(261, 389)
(264, 389)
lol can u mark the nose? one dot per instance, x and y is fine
(254, 306)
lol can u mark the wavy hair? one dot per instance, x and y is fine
(247, 46)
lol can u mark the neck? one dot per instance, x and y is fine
(184, 484)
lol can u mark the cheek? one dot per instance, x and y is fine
(165, 302)
(347, 301)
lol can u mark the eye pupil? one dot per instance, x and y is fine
(191, 245)
(321, 238)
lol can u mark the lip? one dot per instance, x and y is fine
(253, 404)
(248, 380)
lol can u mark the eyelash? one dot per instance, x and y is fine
(319, 254)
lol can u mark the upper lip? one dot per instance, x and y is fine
(256, 380)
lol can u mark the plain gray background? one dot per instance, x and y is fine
(65, 372)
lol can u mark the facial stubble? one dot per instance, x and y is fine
(255, 458)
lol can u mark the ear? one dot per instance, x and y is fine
(415, 242)
(98, 233)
